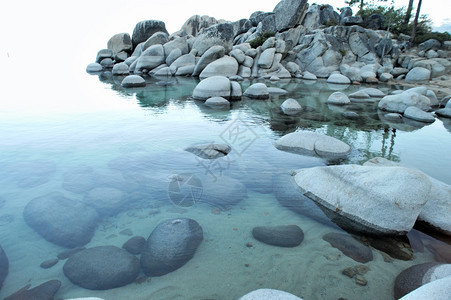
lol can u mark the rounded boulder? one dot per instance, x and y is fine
(102, 268)
(170, 246)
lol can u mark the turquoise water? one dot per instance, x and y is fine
(98, 134)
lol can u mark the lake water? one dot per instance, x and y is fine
(134, 140)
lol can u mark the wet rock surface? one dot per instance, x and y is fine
(170, 246)
(349, 246)
(102, 268)
(282, 236)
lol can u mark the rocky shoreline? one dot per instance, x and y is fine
(310, 42)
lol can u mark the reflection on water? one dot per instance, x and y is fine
(130, 170)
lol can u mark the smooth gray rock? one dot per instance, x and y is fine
(145, 29)
(102, 268)
(223, 192)
(291, 107)
(120, 42)
(238, 55)
(237, 92)
(269, 294)
(266, 58)
(308, 76)
(132, 81)
(210, 151)
(120, 69)
(170, 246)
(312, 143)
(444, 112)
(225, 66)
(104, 53)
(373, 92)
(282, 236)
(384, 200)
(418, 275)
(4, 266)
(106, 200)
(215, 86)
(180, 43)
(156, 39)
(418, 74)
(400, 102)
(217, 102)
(173, 55)
(44, 291)
(135, 245)
(429, 44)
(60, 220)
(183, 61)
(417, 114)
(196, 23)
(212, 54)
(276, 91)
(359, 95)
(338, 98)
(107, 63)
(257, 91)
(219, 34)
(94, 67)
(148, 63)
(289, 13)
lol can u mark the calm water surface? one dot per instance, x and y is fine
(134, 141)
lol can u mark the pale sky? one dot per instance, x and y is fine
(77, 29)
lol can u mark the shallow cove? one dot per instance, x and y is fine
(134, 140)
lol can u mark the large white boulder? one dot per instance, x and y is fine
(383, 200)
(437, 209)
(399, 102)
(215, 86)
(258, 90)
(434, 290)
(419, 115)
(338, 98)
(312, 143)
(291, 107)
(225, 66)
(418, 74)
(338, 79)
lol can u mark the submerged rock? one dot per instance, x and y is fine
(170, 246)
(383, 200)
(223, 192)
(338, 98)
(44, 291)
(102, 268)
(135, 245)
(349, 246)
(4, 266)
(210, 151)
(60, 220)
(282, 236)
(217, 103)
(311, 143)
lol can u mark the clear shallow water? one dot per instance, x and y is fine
(135, 140)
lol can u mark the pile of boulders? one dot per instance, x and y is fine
(306, 42)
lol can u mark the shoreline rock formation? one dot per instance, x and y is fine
(292, 39)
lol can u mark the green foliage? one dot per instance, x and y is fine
(440, 36)
(258, 41)
(395, 22)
